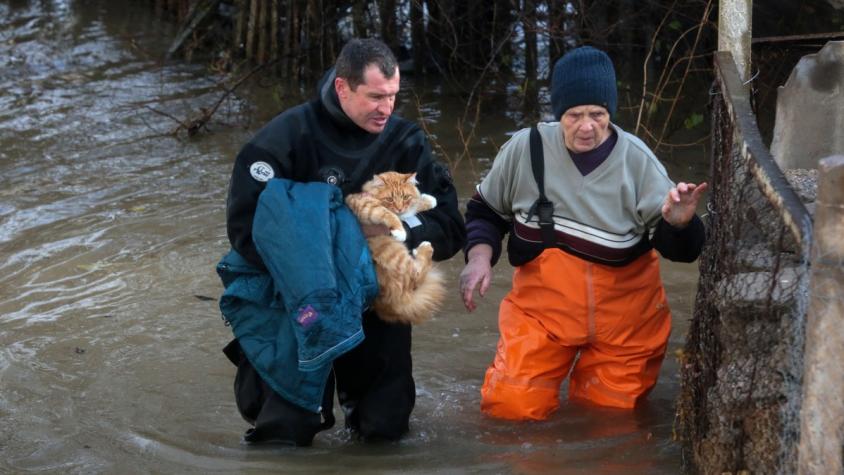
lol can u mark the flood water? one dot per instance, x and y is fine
(110, 335)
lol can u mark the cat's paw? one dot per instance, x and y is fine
(429, 200)
(424, 248)
(399, 234)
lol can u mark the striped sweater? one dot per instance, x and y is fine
(611, 216)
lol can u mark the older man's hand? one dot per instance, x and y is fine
(476, 274)
(681, 203)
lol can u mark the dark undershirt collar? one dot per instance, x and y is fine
(586, 162)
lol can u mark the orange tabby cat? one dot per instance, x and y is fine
(410, 288)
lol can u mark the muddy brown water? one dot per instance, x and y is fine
(110, 356)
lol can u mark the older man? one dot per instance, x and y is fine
(586, 205)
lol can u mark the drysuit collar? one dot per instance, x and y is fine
(328, 97)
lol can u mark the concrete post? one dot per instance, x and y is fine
(811, 99)
(822, 412)
(734, 32)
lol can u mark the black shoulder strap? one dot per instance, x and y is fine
(543, 208)
(537, 160)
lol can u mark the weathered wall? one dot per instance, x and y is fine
(822, 414)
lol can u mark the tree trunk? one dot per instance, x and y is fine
(417, 36)
(387, 14)
(531, 88)
(627, 39)
(295, 43)
(501, 31)
(250, 32)
(313, 53)
(557, 30)
(287, 27)
(436, 30)
(239, 26)
(274, 31)
(332, 38)
(359, 19)
(261, 56)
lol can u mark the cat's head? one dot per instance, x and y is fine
(396, 191)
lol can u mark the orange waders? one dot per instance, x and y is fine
(617, 318)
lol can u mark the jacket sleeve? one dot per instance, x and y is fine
(489, 214)
(679, 245)
(245, 185)
(442, 226)
(484, 226)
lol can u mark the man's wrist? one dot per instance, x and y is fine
(678, 227)
(480, 251)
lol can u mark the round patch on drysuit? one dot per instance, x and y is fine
(261, 171)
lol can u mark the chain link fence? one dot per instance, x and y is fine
(741, 371)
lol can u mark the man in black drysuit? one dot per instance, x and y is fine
(343, 137)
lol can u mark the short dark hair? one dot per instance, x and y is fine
(357, 54)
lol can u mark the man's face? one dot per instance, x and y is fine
(585, 127)
(370, 105)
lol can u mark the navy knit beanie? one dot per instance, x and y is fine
(583, 76)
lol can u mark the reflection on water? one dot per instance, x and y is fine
(110, 354)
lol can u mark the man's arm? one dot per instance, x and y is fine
(485, 230)
(253, 167)
(478, 271)
(484, 226)
(442, 226)
(680, 234)
(679, 245)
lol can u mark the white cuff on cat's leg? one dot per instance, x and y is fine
(399, 234)
(432, 201)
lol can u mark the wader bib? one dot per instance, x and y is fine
(616, 318)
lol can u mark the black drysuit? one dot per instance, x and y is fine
(316, 141)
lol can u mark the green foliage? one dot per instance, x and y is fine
(693, 121)
(652, 108)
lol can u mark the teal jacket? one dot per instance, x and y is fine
(294, 318)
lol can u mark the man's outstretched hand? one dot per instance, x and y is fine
(681, 203)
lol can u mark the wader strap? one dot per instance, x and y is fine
(542, 208)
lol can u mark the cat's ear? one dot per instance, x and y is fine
(377, 181)
(411, 179)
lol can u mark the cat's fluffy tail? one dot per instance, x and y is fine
(417, 306)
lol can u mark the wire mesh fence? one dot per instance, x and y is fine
(743, 362)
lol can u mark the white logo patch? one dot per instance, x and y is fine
(261, 171)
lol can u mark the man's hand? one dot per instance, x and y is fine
(372, 230)
(681, 203)
(477, 271)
